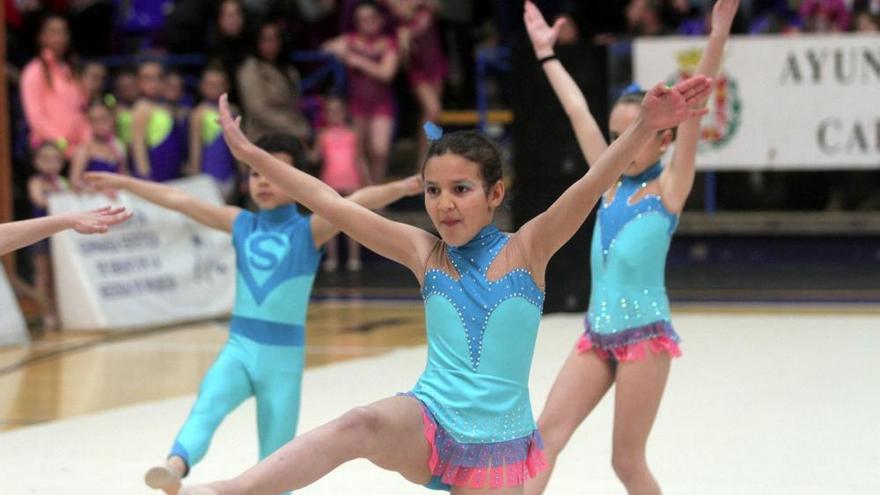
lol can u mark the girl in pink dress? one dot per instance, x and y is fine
(342, 169)
(372, 61)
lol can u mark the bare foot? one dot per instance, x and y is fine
(163, 478)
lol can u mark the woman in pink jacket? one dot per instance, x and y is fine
(54, 101)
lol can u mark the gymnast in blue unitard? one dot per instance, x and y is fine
(277, 256)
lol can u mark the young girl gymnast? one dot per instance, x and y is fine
(277, 252)
(629, 340)
(467, 424)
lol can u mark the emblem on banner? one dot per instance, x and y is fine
(722, 122)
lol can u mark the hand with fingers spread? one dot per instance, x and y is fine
(542, 35)
(103, 181)
(665, 107)
(98, 221)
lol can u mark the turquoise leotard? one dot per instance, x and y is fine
(481, 338)
(628, 303)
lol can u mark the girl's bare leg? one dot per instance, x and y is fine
(331, 261)
(389, 433)
(379, 144)
(639, 389)
(354, 255)
(580, 385)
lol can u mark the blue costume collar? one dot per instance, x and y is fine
(475, 249)
(647, 175)
(279, 214)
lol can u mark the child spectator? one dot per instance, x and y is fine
(208, 153)
(104, 152)
(48, 162)
(341, 169)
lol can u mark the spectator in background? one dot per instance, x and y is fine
(825, 16)
(174, 95)
(53, 99)
(229, 40)
(269, 88)
(208, 153)
(423, 57)
(125, 94)
(774, 16)
(104, 152)
(644, 18)
(871, 6)
(93, 77)
(342, 169)
(371, 59)
(156, 149)
(866, 22)
(48, 163)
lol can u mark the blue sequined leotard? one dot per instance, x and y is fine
(629, 307)
(481, 338)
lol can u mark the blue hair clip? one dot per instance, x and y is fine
(631, 89)
(432, 131)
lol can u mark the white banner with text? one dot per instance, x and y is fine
(804, 102)
(158, 268)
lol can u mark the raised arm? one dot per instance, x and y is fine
(403, 243)
(586, 130)
(662, 108)
(217, 217)
(678, 178)
(15, 235)
(78, 167)
(372, 197)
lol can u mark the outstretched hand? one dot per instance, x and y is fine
(103, 181)
(98, 221)
(237, 142)
(665, 107)
(722, 15)
(543, 36)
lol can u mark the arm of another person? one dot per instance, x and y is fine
(383, 70)
(586, 129)
(210, 215)
(139, 121)
(15, 235)
(662, 108)
(372, 197)
(402, 243)
(195, 141)
(678, 178)
(78, 167)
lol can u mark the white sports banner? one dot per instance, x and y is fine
(803, 102)
(13, 329)
(158, 268)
